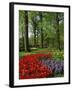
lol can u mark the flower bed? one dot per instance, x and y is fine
(57, 67)
(31, 67)
(39, 66)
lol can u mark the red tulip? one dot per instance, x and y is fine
(30, 67)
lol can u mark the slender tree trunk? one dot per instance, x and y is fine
(48, 42)
(53, 42)
(26, 32)
(23, 38)
(41, 38)
(57, 31)
(34, 35)
(41, 30)
(37, 37)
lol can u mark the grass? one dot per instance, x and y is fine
(33, 51)
(57, 54)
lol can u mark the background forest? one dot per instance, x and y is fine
(41, 30)
(40, 34)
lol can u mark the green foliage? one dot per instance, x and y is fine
(58, 55)
(48, 24)
(21, 20)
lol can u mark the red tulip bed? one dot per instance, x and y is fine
(31, 67)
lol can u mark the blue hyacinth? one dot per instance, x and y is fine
(56, 66)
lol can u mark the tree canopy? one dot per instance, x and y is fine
(39, 29)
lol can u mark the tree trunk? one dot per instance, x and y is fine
(47, 42)
(53, 42)
(57, 31)
(26, 32)
(34, 35)
(23, 39)
(37, 38)
(41, 30)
